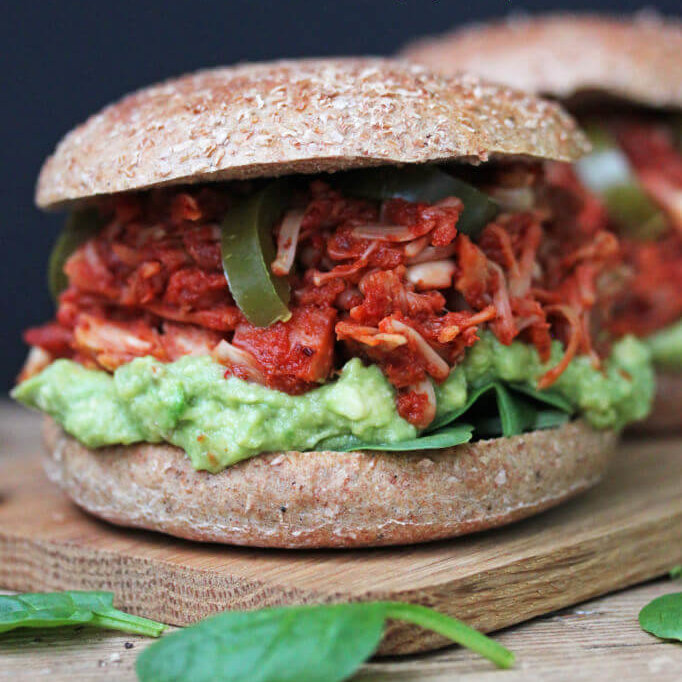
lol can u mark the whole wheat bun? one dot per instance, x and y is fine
(666, 413)
(308, 116)
(636, 58)
(332, 499)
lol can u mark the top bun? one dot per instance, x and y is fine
(304, 116)
(637, 59)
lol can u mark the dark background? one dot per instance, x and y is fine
(61, 61)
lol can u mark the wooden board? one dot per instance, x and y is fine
(622, 532)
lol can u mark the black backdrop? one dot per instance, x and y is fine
(63, 60)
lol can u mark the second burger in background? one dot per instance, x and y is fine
(622, 78)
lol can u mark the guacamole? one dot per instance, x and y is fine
(666, 347)
(220, 421)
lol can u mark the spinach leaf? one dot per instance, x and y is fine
(491, 427)
(546, 396)
(516, 408)
(472, 399)
(55, 609)
(663, 617)
(443, 438)
(325, 643)
(676, 572)
(515, 413)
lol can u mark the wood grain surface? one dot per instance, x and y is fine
(598, 640)
(626, 530)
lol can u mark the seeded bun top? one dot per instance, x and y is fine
(308, 116)
(636, 58)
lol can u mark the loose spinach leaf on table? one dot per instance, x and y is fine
(676, 572)
(663, 617)
(55, 609)
(324, 643)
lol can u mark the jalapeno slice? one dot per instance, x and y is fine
(80, 226)
(420, 183)
(248, 248)
(607, 173)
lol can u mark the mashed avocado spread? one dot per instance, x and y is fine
(666, 347)
(219, 421)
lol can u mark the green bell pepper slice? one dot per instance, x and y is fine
(248, 249)
(80, 226)
(420, 183)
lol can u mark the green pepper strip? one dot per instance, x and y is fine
(80, 226)
(627, 203)
(421, 183)
(248, 249)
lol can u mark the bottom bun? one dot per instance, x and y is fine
(332, 499)
(666, 413)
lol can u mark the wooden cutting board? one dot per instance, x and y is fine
(624, 531)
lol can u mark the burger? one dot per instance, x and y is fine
(622, 79)
(326, 303)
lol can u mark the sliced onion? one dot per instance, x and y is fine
(415, 247)
(387, 233)
(433, 363)
(433, 275)
(450, 333)
(514, 199)
(227, 354)
(431, 253)
(449, 202)
(320, 278)
(97, 335)
(502, 303)
(527, 262)
(369, 336)
(287, 242)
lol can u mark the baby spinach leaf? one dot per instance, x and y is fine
(546, 396)
(15, 613)
(663, 617)
(550, 419)
(104, 614)
(676, 572)
(444, 438)
(472, 399)
(453, 629)
(491, 427)
(515, 414)
(325, 643)
(516, 408)
(54, 609)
